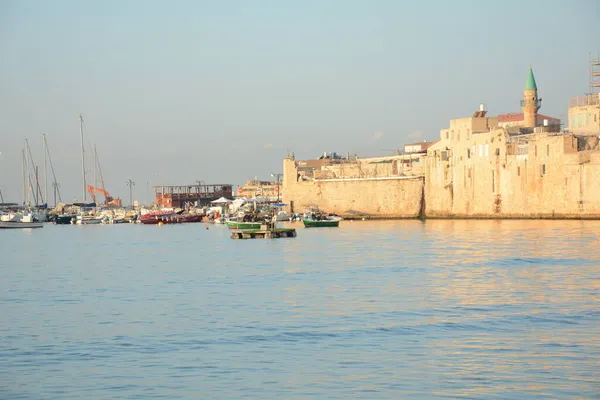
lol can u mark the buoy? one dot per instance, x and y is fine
(160, 223)
(206, 227)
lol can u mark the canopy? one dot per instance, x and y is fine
(279, 205)
(221, 201)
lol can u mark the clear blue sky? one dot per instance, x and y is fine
(174, 92)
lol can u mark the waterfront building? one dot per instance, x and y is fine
(260, 189)
(507, 166)
(191, 195)
(480, 168)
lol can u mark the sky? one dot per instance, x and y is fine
(174, 92)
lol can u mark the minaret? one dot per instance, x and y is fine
(530, 103)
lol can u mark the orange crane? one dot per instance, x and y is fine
(108, 199)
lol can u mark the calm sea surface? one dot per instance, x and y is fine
(371, 310)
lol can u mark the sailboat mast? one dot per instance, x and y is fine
(55, 184)
(24, 176)
(95, 167)
(82, 158)
(45, 167)
(37, 191)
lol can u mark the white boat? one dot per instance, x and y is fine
(10, 217)
(88, 220)
(20, 225)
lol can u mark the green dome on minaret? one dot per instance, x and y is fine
(530, 84)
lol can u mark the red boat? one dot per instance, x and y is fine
(165, 218)
(190, 218)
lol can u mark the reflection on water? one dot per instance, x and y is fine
(373, 309)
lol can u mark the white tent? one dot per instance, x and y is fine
(222, 200)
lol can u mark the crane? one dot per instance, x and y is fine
(108, 199)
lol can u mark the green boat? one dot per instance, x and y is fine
(243, 225)
(309, 223)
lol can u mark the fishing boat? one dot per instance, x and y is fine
(165, 218)
(320, 221)
(62, 219)
(187, 218)
(243, 225)
(20, 225)
(308, 223)
(87, 221)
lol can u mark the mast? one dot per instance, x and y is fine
(82, 158)
(100, 172)
(27, 178)
(24, 179)
(95, 167)
(55, 184)
(37, 187)
(45, 167)
(37, 191)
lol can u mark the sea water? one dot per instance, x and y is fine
(371, 310)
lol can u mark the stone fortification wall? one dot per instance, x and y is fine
(492, 175)
(477, 170)
(379, 197)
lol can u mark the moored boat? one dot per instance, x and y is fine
(155, 218)
(309, 223)
(20, 225)
(243, 225)
(320, 220)
(187, 218)
(62, 219)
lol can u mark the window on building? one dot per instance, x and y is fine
(480, 150)
(458, 135)
(493, 182)
(535, 150)
(468, 153)
(487, 150)
(447, 135)
(547, 149)
(543, 169)
(497, 152)
(518, 171)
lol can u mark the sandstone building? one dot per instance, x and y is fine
(508, 166)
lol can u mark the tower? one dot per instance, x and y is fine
(530, 103)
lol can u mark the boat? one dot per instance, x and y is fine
(20, 225)
(309, 223)
(314, 220)
(165, 218)
(187, 218)
(243, 225)
(62, 219)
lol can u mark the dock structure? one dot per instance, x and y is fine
(265, 232)
(198, 194)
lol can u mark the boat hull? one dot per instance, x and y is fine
(62, 219)
(165, 219)
(21, 225)
(243, 225)
(320, 224)
(191, 218)
(89, 221)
